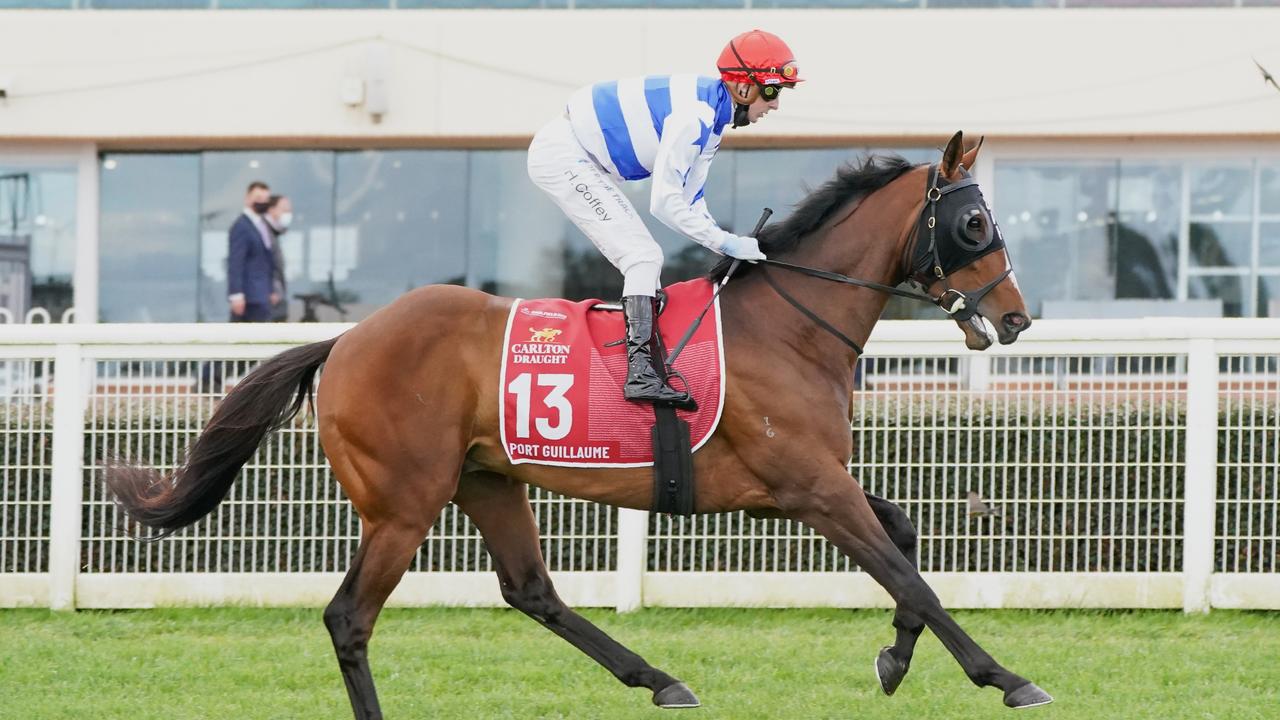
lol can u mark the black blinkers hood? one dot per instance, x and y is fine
(943, 246)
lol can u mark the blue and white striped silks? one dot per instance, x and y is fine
(622, 122)
(667, 127)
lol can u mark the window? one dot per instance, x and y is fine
(1099, 230)
(833, 3)
(587, 4)
(1268, 285)
(400, 223)
(145, 4)
(43, 4)
(991, 3)
(1057, 219)
(1145, 232)
(37, 239)
(149, 238)
(290, 4)
(520, 244)
(1148, 3)
(370, 225)
(309, 247)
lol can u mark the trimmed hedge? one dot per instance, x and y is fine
(1081, 486)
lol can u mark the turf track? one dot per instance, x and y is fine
(447, 663)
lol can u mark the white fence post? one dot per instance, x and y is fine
(1200, 502)
(979, 372)
(633, 541)
(67, 476)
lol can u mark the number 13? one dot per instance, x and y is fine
(559, 383)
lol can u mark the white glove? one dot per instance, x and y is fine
(742, 247)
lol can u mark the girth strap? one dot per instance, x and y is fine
(809, 313)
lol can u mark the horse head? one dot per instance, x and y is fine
(875, 226)
(959, 254)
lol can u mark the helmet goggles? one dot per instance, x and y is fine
(770, 80)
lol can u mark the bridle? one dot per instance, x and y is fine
(929, 261)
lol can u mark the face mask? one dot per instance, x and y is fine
(261, 207)
(285, 220)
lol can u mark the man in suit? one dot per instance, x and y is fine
(279, 217)
(250, 261)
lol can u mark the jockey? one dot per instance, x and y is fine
(667, 127)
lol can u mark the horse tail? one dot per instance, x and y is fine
(267, 399)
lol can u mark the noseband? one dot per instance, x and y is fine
(936, 260)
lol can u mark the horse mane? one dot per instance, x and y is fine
(853, 181)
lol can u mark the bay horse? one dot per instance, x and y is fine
(408, 413)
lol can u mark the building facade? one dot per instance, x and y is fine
(1132, 156)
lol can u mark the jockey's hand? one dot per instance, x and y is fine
(741, 247)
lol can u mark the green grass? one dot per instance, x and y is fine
(446, 663)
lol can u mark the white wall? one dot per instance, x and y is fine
(241, 77)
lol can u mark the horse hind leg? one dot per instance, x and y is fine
(392, 534)
(893, 661)
(500, 508)
(384, 555)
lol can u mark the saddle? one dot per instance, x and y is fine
(561, 389)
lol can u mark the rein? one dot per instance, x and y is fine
(960, 306)
(833, 277)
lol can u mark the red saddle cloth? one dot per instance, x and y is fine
(561, 388)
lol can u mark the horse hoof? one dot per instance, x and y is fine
(889, 671)
(1027, 696)
(677, 695)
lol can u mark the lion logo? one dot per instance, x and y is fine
(544, 335)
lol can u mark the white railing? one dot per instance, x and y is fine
(1134, 464)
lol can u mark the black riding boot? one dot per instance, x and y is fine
(643, 382)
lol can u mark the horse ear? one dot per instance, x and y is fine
(971, 157)
(951, 157)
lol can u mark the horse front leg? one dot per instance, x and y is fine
(836, 506)
(893, 662)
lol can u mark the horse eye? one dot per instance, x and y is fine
(972, 229)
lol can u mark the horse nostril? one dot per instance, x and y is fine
(1016, 321)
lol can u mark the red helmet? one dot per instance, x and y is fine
(760, 57)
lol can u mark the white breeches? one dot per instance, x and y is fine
(559, 165)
